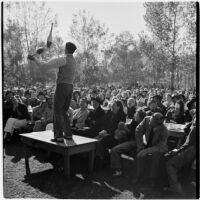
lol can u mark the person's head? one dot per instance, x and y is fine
(157, 99)
(152, 105)
(191, 104)
(139, 115)
(70, 48)
(96, 102)
(76, 95)
(117, 106)
(168, 97)
(15, 100)
(179, 107)
(156, 119)
(83, 103)
(131, 102)
(50, 101)
(73, 104)
(27, 94)
(9, 95)
(41, 96)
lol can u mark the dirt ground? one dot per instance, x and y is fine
(45, 182)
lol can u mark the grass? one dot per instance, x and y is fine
(44, 182)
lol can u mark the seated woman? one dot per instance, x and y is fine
(131, 108)
(47, 117)
(80, 115)
(111, 124)
(18, 118)
(152, 108)
(168, 103)
(176, 114)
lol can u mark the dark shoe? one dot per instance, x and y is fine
(68, 137)
(57, 140)
(117, 173)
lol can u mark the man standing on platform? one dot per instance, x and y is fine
(63, 94)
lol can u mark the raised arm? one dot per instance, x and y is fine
(53, 63)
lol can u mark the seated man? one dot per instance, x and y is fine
(47, 117)
(125, 147)
(181, 157)
(151, 140)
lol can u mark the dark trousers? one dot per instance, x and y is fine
(153, 166)
(91, 132)
(115, 154)
(62, 99)
(179, 161)
(104, 144)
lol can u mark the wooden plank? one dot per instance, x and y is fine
(82, 148)
(46, 136)
(43, 145)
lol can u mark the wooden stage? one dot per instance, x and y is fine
(70, 147)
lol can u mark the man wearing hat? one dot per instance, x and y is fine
(151, 140)
(63, 94)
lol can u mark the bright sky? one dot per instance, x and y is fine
(117, 16)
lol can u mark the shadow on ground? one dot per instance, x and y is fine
(44, 181)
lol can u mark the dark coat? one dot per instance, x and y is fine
(130, 112)
(21, 112)
(7, 111)
(95, 117)
(179, 119)
(111, 120)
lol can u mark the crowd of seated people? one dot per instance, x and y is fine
(103, 112)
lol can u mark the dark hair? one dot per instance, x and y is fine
(70, 47)
(181, 103)
(151, 102)
(9, 92)
(74, 94)
(119, 104)
(141, 113)
(27, 92)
